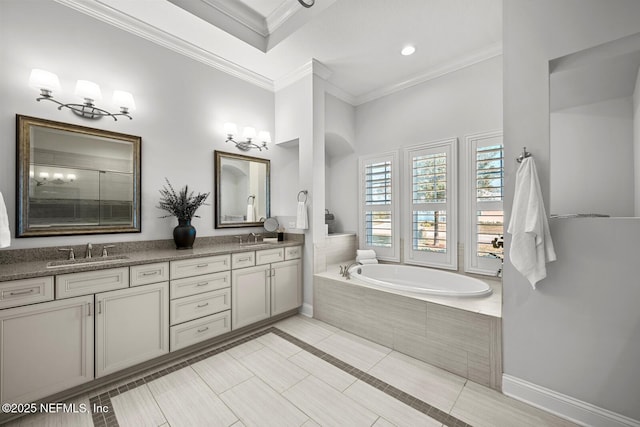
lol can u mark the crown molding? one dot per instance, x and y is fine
(311, 67)
(240, 13)
(280, 15)
(125, 22)
(433, 73)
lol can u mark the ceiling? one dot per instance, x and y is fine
(269, 42)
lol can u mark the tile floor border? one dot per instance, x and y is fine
(108, 419)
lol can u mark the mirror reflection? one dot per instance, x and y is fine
(76, 180)
(594, 124)
(242, 190)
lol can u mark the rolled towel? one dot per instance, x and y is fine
(367, 261)
(366, 253)
(5, 233)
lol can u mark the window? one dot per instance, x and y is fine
(379, 205)
(430, 222)
(485, 156)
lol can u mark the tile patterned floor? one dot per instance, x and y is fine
(299, 372)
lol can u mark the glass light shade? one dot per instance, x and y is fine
(58, 176)
(249, 132)
(264, 136)
(71, 177)
(88, 90)
(124, 100)
(230, 129)
(44, 175)
(41, 79)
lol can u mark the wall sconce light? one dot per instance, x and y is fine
(48, 82)
(248, 133)
(58, 178)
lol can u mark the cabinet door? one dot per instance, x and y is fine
(250, 296)
(132, 326)
(45, 348)
(286, 286)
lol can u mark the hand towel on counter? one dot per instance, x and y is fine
(302, 221)
(531, 245)
(5, 233)
(367, 261)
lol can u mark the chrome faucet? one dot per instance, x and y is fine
(344, 270)
(89, 247)
(255, 237)
(70, 250)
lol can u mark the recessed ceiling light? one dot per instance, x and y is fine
(408, 50)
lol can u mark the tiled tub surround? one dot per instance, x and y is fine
(460, 335)
(134, 306)
(299, 371)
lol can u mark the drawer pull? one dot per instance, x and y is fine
(202, 265)
(89, 304)
(150, 273)
(202, 284)
(99, 307)
(15, 293)
(203, 329)
(244, 259)
(203, 305)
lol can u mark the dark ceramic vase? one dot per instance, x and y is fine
(184, 234)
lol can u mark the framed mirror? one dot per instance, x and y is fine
(75, 180)
(242, 190)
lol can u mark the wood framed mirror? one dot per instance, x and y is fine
(75, 180)
(242, 187)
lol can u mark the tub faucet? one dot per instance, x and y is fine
(344, 270)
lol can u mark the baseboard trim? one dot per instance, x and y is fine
(306, 310)
(564, 406)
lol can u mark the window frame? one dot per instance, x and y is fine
(448, 259)
(392, 253)
(472, 262)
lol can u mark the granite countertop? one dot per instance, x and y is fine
(24, 270)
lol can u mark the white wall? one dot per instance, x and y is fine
(340, 175)
(636, 145)
(464, 102)
(578, 333)
(181, 107)
(592, 159)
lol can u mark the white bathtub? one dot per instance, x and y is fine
(420, 280)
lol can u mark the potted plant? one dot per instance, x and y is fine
(182, 205)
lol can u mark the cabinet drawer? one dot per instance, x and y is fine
(91, 282)
(198, 330)
(293, 252)
(243, 259)
(200, 284)
(26, 291)
(197, 266)
(149, 273)
(268, 256)
(195, 306)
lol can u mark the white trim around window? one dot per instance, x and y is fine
(488, 206)
(379, 204)
(430, 202)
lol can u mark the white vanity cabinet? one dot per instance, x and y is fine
(266, 290)
(200, 300)
(45, 348)
(132, 326)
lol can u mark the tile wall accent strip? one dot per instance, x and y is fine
(108, 419)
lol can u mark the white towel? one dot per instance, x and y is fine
(5, 233)
(251, 213)
(367, 261)
(302, 222)
(366, 253)
(531, 245)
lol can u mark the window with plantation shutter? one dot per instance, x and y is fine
(485, 160)
(430, 180)
(379, 205)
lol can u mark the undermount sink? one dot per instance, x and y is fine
(85, 261)
(259, 244)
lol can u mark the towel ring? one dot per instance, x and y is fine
(523, 156)
(251, 200)
(304, 193)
